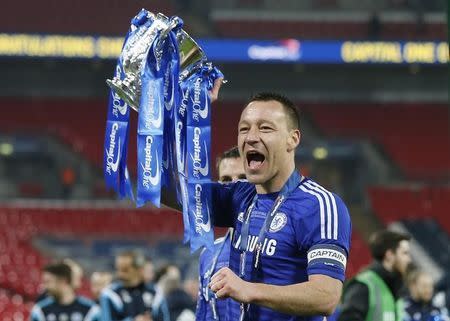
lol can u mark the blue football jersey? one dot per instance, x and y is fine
(120, 303)
(309, 234)
(81, 309)
(209, 308)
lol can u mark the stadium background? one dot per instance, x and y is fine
(373, 96)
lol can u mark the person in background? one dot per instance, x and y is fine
(99, 281)
(230, 166)
(62, 303)
(76, 275)
(129, 298)
(180, 304)
(373, 295)
(418, 306)
(149, 271)
(191, 286)
(442, 297)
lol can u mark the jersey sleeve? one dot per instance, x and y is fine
(112, 306)
(161, 312)
(324, 234)
(226, 198)
(93, 314)
(37, 314)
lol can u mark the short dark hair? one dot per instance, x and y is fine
(233, 152)
(59, 269)
(291, 110)
(137, 258)
(382, 241)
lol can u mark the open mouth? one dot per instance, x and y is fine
(255, 159)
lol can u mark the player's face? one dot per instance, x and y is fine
(51, 284)
(402, 257)
(266, 143)
(149, 272)
(98, 282)
(424, 288)
(231, 169)
(77, 276)
(125, 270)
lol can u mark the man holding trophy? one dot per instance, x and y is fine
(292, 237)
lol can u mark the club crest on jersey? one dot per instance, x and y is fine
(279, 221)
(241, 217)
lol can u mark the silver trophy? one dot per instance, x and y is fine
(134, 54)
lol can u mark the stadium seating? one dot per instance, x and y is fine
(423, 133)
(431, 236)
(359, 255)
(416, 138)
(102, 17)
(397, 203)
(19, 260)
(13, 307)
(66, 119)
(112, 18)
(344, 30)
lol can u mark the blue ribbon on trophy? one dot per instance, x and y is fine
(171, 101)
(151, 128)
(180, 117)
(162, 73)
(198, 136)
(116, 140)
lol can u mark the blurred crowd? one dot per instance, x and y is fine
(145, 293)
(172, 298)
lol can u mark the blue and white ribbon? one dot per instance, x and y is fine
(116, 141)
(151, 128)
(198, 158)
(173, 136)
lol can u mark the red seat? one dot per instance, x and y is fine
(423, 132)
(346, 30)
(396, 203)
(359, 255)
(103, 17)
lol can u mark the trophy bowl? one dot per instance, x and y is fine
(134, 53)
